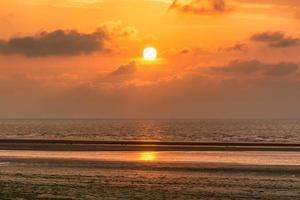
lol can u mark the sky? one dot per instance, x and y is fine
(83, 59)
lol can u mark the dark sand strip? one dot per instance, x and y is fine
(82, 145)
(148, 142)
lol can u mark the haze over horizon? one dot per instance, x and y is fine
(84, 59)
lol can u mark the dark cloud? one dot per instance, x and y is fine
(199, 7)
(127, 69)
(59, 42)
(238, 67)
(275, 39)
(236, 47)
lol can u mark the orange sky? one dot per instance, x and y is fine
(83, 58)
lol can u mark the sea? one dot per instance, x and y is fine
(196, 130)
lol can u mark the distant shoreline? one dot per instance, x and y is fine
(89, 145)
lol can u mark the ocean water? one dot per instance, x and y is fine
(163, 130)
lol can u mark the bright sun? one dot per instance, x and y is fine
(150, 53)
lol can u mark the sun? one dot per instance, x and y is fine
(150, 53)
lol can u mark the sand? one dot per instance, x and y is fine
(149, 175)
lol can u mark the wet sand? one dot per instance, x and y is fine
(149, 175)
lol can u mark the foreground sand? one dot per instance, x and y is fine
(147, 175)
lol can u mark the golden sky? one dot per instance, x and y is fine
(83, 58)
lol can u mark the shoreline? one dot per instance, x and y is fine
(155, 157)
(204, 166)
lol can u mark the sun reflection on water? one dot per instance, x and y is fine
(147, 156)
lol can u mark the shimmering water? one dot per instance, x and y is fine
(213, 157)
(164, 130)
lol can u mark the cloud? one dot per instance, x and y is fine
(191, 95)
(237, 47)
(238, 67)
(281, 69)
(185, 50)
(249, 67)
(199, 7)
(56, 43)
(127, 69)
(117, 28)
(275, 39)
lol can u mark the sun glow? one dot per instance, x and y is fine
(150, 53)
(147, 156)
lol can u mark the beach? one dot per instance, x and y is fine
(149, 159)
(149, 175)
